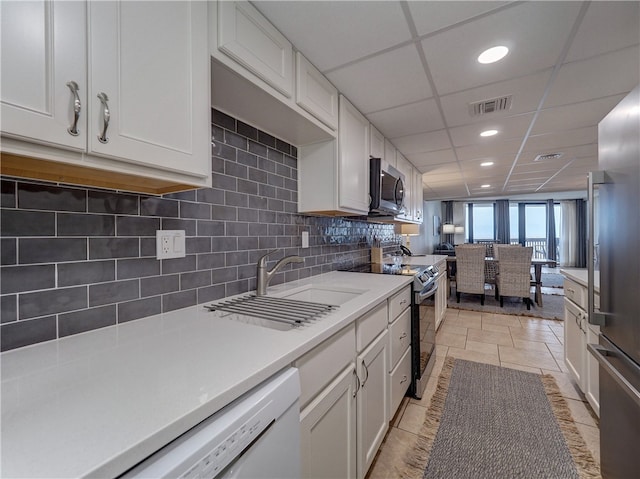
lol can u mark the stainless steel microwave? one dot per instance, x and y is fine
(386, 189)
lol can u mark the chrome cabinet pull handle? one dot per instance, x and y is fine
(403, 335)
(357, 382)
(366, 370)
(77, 107)
(106, 116)
(404, 379)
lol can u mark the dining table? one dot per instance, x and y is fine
(536, 263)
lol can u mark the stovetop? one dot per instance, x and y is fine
(388, 268)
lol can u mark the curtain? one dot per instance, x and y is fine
(501, 214)
(581, 234)
(551, 231)
(447, 218)
(568, 233)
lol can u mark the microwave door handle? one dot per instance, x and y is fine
(399, 192)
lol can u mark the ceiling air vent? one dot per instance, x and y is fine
(492, 105)
(548, 156)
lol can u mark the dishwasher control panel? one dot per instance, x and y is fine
(223, 453)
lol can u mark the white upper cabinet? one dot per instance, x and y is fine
(376, 142)
(418, 196)
(122, 101)
(43, 67)
(150, 59)
(353, 142)
(247, 37)
(406, 168)
(315, 93)
(390, 153)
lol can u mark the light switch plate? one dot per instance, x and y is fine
(170, 244)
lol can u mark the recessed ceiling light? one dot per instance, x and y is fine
(485, 186)
(493, 54)
(489, 133)
(486, 163)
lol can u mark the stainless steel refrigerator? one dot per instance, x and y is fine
(618, 354)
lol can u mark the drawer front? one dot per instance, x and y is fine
(399, 302)
(399, 337)
(319, 366)
(576, 293)
(370, 325)
(400, 381)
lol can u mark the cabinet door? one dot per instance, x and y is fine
(43, 49)
(151, 60)
(592, 392)
(248, 37)
(373, 400)
(315, 93)
(390, 153)
(574, 342)
(328, 430)
(418, 196)
(353, 166)
(376, 143)
(404, 166)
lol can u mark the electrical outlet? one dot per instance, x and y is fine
(170, 244)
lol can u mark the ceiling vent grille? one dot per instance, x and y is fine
(492, 105)
(548, 156)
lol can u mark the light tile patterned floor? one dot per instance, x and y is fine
(518, 342)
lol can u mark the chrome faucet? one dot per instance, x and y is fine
(264, 275)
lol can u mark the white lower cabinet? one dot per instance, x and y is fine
(582, 366)
(372, 401)
(328, 430)
(399, 379)
(345, 392)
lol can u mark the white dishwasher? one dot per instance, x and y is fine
(255, 436)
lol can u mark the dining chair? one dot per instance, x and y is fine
(470, 270)
(514, 274)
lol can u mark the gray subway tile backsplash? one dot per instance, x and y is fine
(76, 259)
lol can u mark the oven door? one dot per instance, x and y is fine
(423, 337)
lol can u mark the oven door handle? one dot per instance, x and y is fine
(422, 295)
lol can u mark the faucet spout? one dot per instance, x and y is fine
(264, 275)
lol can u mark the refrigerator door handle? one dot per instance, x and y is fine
(593, 316)
(601, 353)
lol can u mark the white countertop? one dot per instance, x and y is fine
(97, 403)
(579, 275)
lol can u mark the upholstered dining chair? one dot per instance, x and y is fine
(470, 270)
(513, 278)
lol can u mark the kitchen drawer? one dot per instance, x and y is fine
(370, 325)
(576, 293)
(399, 337)
(323, 363)
(400, 379)
(399, 302)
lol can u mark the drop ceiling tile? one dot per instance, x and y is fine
(419, 117)
(607, 26)
(431, 158)
(421, 142)
(489, 151)
(526, 94)
(535, 33)
(332, 33)
(398, 73)
(601, 76)
(508, 128)
(574, 116)
(432, 16)
(562, 139)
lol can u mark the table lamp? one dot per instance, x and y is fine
(407, 230)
